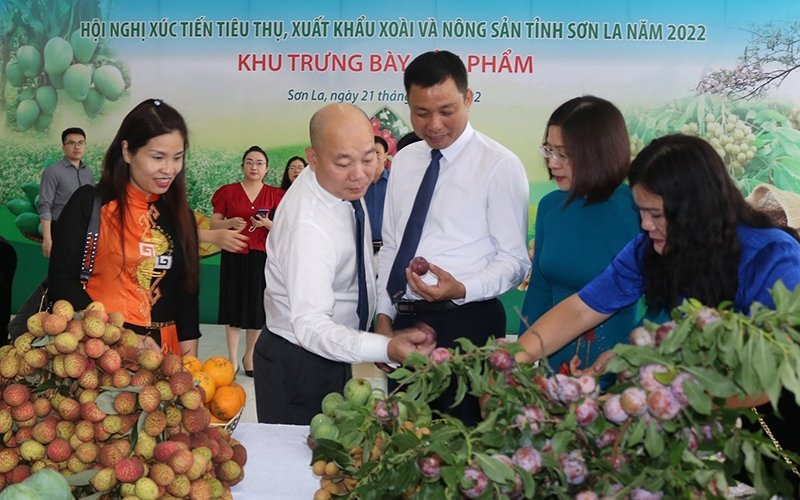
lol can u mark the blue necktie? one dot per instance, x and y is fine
(396, 284)
(363, 303)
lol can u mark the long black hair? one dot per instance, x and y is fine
(285, 182)
(702, 207)
(149, 119)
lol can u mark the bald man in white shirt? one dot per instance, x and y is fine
(311, 299)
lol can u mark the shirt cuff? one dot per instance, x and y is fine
(375, 348)
(471, 287)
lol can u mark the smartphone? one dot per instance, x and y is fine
(262, 212)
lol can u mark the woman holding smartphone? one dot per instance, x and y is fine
(247, 207)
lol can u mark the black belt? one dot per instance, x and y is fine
(422, 306)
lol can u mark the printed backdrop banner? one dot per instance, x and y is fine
(250, 72)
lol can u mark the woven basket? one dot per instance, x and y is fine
(231, 424)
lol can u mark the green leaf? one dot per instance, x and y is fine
(653, 440)
(493, 439)
(635, 433)
(105, 401)
(81, 478)
(790, 380)
(560, 441)
(763, 361)
(494, 469)
(137, 389)
(715, 383)
(399, 374)
(43, 341)
(331, 451)
(698, 399)
(676, 339)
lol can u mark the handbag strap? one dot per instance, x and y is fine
(92, 237)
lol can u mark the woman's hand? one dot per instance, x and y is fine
(259, 221)
(237, 223)
(147, 342)
(598, 367)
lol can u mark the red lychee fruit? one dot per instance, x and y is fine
(110, 361)
(181, 461)
(128, 470)
(150, 359)
(162, 474)
(93, 327)
(63, 308)
(16, 394)
(171, 363)
(74, 363)
(155, 423)
(149, 398)
(196, 420)
(165, 449)
(58, 450)
(53, 324)
(181, 382)
(94, 348)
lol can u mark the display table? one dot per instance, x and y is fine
(277, 463)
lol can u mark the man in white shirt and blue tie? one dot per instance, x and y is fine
(473, 194)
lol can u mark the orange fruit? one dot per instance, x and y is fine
(192, 363)
(220, 369)
(205, 381)
(226, 403)
(240, 390)
(215, 420)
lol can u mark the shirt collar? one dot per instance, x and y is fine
(326, 197)
(451, 151)
(66, 163)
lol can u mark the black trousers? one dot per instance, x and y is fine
(290, 381)
(476, 321)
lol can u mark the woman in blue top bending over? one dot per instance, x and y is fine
(581, 226)
(700, 239)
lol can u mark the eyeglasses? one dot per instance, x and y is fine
(75, 144)
(258, 163)
(552, 154)
(297, 168)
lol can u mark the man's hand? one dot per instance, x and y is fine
(383, 325)
(446, 287)
(47, 246)
(421, 339)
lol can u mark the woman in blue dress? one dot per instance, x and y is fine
(582, 225)
(700, 239)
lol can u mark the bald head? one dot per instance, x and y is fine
(342, 153)
(338, 114)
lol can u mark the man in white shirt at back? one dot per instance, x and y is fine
(475, 231)
(311, 299)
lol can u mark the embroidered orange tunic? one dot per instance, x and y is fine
(127, 272)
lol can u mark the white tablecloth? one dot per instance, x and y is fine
(278, 463)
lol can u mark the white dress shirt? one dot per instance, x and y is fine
(312, 286)
(477, 224)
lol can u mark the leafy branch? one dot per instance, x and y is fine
(770, 56)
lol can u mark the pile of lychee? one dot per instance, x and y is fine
(80, 397)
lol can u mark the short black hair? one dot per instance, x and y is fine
(380, 140)
(72, 130)
(255, 148)
(432, 68)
